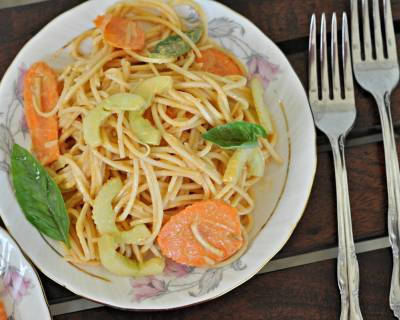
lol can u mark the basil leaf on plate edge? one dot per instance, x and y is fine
(39, 196)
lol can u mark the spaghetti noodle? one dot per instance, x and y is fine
(159, 180)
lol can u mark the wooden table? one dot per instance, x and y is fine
(309, 290)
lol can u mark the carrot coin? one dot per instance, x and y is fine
(202, 234)
(102, 21)
(41, 89)
(217, 62)
(123, 33)
(3, 314)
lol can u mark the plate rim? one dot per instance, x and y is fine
(25, 259)
(263, 263)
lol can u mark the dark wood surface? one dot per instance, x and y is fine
(303, 293)
(307, 292)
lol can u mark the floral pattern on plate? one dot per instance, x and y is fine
(179, 285)
(20, 288)
(229, 34)
(197, 282)
(177, 278)
(16, 285)
(13, 122)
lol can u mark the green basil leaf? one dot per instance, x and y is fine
(174, 46)
(39, 196)
(236, 135)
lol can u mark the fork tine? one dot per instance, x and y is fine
(390, 36)
(324, 60)
(335, 59)
(367, 31)
(377, 30)
(312, 62)
(346, 55)
(355, 31)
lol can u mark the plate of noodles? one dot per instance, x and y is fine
(153, 154)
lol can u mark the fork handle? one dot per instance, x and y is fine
(393, 185)
(347, 265)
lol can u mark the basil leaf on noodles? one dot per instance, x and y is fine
(39, 196)
(236, 135)
(174, 46)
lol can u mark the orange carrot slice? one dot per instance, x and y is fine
(40, 84)
(102, 21)
(3, 313)
(216, 61)
(121, 33)
(202, 234)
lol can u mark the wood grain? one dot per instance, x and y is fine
(302, 293)
(14, 34)
(367, 110)
(318, 227)
(290, 20)
(19, 24)
(367, 186)
(307, 292)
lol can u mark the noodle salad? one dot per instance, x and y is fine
(146, 146)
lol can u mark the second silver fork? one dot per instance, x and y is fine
(379, 75)
(334, 114)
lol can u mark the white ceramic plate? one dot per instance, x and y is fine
(20, 287)
(280, 197)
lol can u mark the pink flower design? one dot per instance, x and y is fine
(147, 287)
(259, 65)
(16, 284)
(24, 125)
(173, 269)
(19, 88)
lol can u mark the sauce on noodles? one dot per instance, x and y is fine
(151, 172)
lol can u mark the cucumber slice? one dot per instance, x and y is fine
(236, 165)
(143, 129)
(124, 102)
(91, 126)
(136, 235)
(257, 90)
(103, 213)
(256, 163)
(152, 86)
(123, 266)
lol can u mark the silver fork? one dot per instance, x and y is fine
(335, 115)
(380, 76)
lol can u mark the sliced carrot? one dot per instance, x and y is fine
(218, 225)
(60, 87)
(3, 313)
(102, 21)
(121, 33)
(44, 130)
(216, 61)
